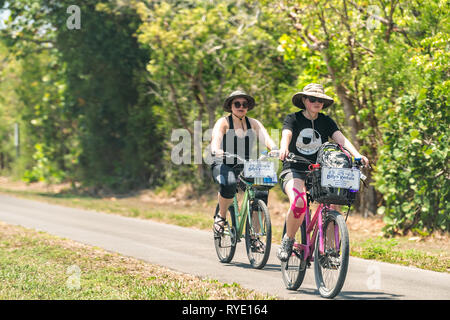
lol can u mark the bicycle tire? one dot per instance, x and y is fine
(258, 260)
(332, 259)
(293, 271)
(226, 243)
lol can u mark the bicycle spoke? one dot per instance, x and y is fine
(293, 271)
(331, 266)
(330, 261)
(225, 243)
(258, 234)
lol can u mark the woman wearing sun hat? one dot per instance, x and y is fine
(303, 133)
(237, 134)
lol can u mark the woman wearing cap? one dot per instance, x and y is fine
(303, 133)
(236, 134)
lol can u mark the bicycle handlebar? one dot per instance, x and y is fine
(263, 156)
(297, 159)
(312, 166)
(291, 157)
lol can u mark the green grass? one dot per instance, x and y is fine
(388, 250)
(35, 265)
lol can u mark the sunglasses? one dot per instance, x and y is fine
(238, 105)
(314, 99)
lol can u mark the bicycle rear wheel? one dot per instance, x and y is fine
(330, 268)
(258, 234)
(294, 270)
(225, 243)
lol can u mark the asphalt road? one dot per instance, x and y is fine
(192, 251)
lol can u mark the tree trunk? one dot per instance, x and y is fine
(349, 108)
(367, 199)
(367, 204)
(211, 117)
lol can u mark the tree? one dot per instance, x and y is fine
(9, 70)
(413, 170)
(201, 51)
(100, 69)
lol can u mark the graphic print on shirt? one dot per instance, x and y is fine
(308, 141)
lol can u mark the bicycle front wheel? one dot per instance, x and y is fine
(258, 234)
(330, 267)
(294, 269)
(225, 243)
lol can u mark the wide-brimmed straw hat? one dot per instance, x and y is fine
(311, 90)
(238, 94)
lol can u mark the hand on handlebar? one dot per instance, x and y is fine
(274, 153)
(363, 161)
(218, 153)
(283, 154)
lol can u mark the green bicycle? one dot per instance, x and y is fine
(254, 215)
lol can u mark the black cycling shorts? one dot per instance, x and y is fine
(226, 177)
(290, 174)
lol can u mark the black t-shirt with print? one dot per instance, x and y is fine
(306, 141)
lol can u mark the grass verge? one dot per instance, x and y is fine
(35, 265)
(389, 250)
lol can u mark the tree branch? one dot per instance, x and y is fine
(304, 35)
(9, 36)
(385, 21)
(174, 99)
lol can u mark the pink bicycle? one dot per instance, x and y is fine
(322, 238)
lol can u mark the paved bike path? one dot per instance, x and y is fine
(192, 251)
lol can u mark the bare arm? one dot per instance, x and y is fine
(263, 134)
(286, 137)
(342, 140)
(219, 131)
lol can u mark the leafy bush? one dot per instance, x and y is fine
(43, 169)
(413, 168)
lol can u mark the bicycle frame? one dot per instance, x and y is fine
(315, 226)
(241, 215)
(316, 240)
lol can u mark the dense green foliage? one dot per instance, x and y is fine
(84, 108)
(413, 168)
(98, 104)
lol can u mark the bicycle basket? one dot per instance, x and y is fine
(335, 182)
(329, 195)
(261, 174)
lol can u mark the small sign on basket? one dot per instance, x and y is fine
(259, 169)
(345, 178)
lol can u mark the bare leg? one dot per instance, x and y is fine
(293, 223)
(224, 204)
(294, 216)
